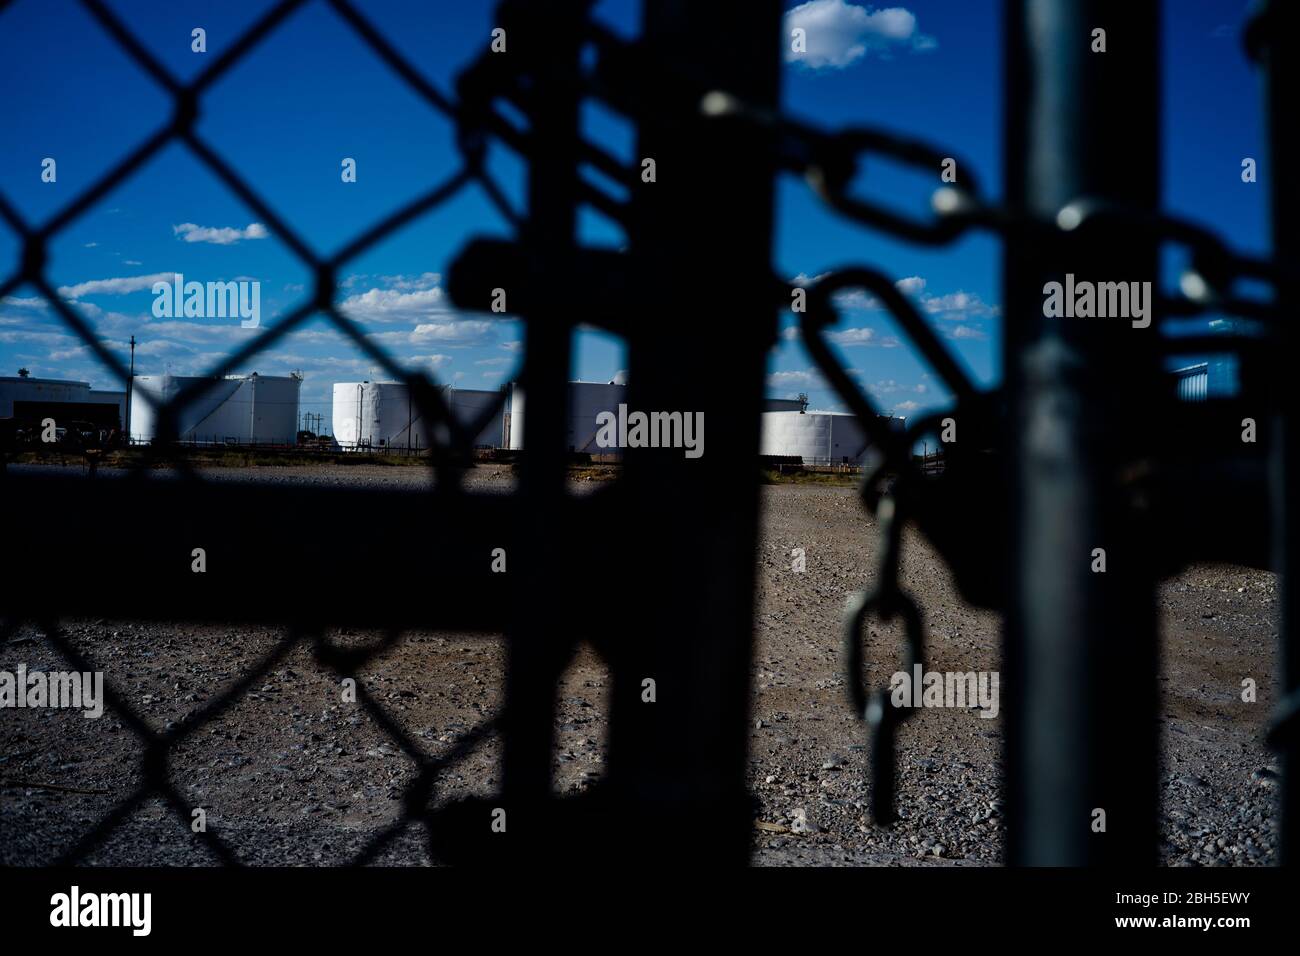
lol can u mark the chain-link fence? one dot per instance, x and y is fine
(1039, 470)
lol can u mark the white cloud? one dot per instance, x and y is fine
(194, 332)
(315, 336)
(958, 306)
(159, 347)
(453, 332)
(400, 299)
(425, 280)
(838, 34)
(851, 337)
(221, 236)
(803, 279)
(23, 302)
(908, 406)
(809, 378)
(862, 301)
(888, 386)
(50, 339)
(120, 286)
(855, 299)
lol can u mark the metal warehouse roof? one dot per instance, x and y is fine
(42, 381)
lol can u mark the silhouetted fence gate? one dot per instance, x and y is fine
(1082, 447)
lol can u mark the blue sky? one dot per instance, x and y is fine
(313, 94)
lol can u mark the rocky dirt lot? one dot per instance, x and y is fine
(293, 775)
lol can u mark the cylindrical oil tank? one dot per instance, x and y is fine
(819, 438)
(381, 414)
(252, 409)
(376, 415)
(513, 420)
(469, 405)
(586, 401)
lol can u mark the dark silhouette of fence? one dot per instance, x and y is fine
(1045, 468)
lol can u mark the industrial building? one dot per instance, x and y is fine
(34, 399)
(238, 409)
(383, 415)
(1215, 378)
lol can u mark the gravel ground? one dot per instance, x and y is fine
(292, 775)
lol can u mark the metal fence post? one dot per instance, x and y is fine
(550, 43)
(1271, 38)
(698, 342)
(1080, 645)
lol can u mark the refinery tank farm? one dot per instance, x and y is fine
(375, 416)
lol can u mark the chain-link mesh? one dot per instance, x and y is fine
(896, 490)
(473, 123)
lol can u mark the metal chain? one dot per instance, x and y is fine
(887, 600)
(829, 162)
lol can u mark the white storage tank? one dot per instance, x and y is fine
(382, 415)
(469, 404)
(512, 426)
(252, 409)
(586, 401)
(819, 438)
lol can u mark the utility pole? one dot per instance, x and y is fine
(130, 387)
(252, 409)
